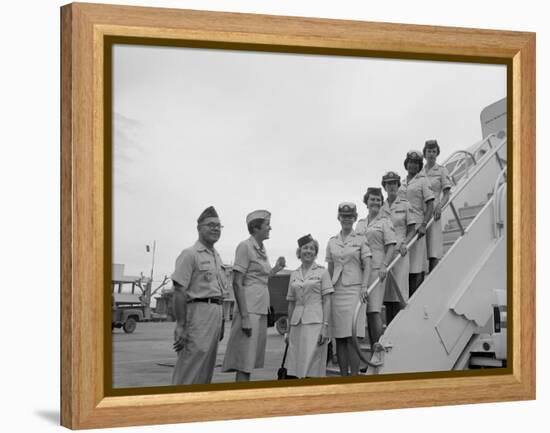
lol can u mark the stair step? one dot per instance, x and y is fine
(447, 244)
(451, 235)
(469, 211)
(452, 224)
(483, 362)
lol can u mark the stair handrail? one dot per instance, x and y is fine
(497, 193)
(494, 151)
(459, 162)
(478, 145)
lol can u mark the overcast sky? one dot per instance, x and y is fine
(294, 134)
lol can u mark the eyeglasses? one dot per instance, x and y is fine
(213, 226)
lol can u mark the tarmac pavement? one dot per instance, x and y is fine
(146, 358)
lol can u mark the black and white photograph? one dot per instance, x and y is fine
(293, 216)
(140, 142)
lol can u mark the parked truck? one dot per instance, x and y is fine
(127, 306)
(126, 312)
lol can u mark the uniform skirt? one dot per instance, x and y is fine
(398, 279)
(305, 357)
(196, 361)
(344, 302)
(246, 353)
(434, 240)
(376, 297)
(418, 258)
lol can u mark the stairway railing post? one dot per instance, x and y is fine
(452, 206)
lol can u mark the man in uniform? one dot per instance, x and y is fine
(199, 289)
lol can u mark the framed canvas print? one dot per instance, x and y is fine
(273, 210)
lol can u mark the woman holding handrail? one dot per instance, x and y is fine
(380, 235)
(309, 295)
(416, 188)
(399, 210)
(349, 263)
(440, 183)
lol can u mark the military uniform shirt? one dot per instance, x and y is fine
(439, 179)
(253, 263)
(307, 292)
(418, 193)
(200, 272)
(379, 233)
(400, 213)
(348, 257)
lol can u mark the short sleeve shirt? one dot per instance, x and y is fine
(418, 193)
(400, 213)
(348, 257)
(439, 179)
(200, 272)
(251, 260)
(307, 292)
(379, 234)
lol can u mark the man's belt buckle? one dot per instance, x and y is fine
(214, 301)
(207, 300)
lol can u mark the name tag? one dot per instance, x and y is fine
(206, 266)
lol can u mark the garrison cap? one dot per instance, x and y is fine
(258, 214)
(305, 240)
(209, 212)
(431, 144)
(374, 191)
(347, 208)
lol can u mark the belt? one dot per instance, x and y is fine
(218, 301)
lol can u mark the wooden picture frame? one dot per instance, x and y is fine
(85, 224)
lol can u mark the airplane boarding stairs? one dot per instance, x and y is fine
(451, 315)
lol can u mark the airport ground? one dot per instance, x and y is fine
(145, 357)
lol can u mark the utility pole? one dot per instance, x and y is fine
(153, 261)
(149, 286)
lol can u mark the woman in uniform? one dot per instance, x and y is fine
(416, 188)
(349, 262)
(380, 235)
(246, 345)
(399, 210)
(309, 295)
(440, 182)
